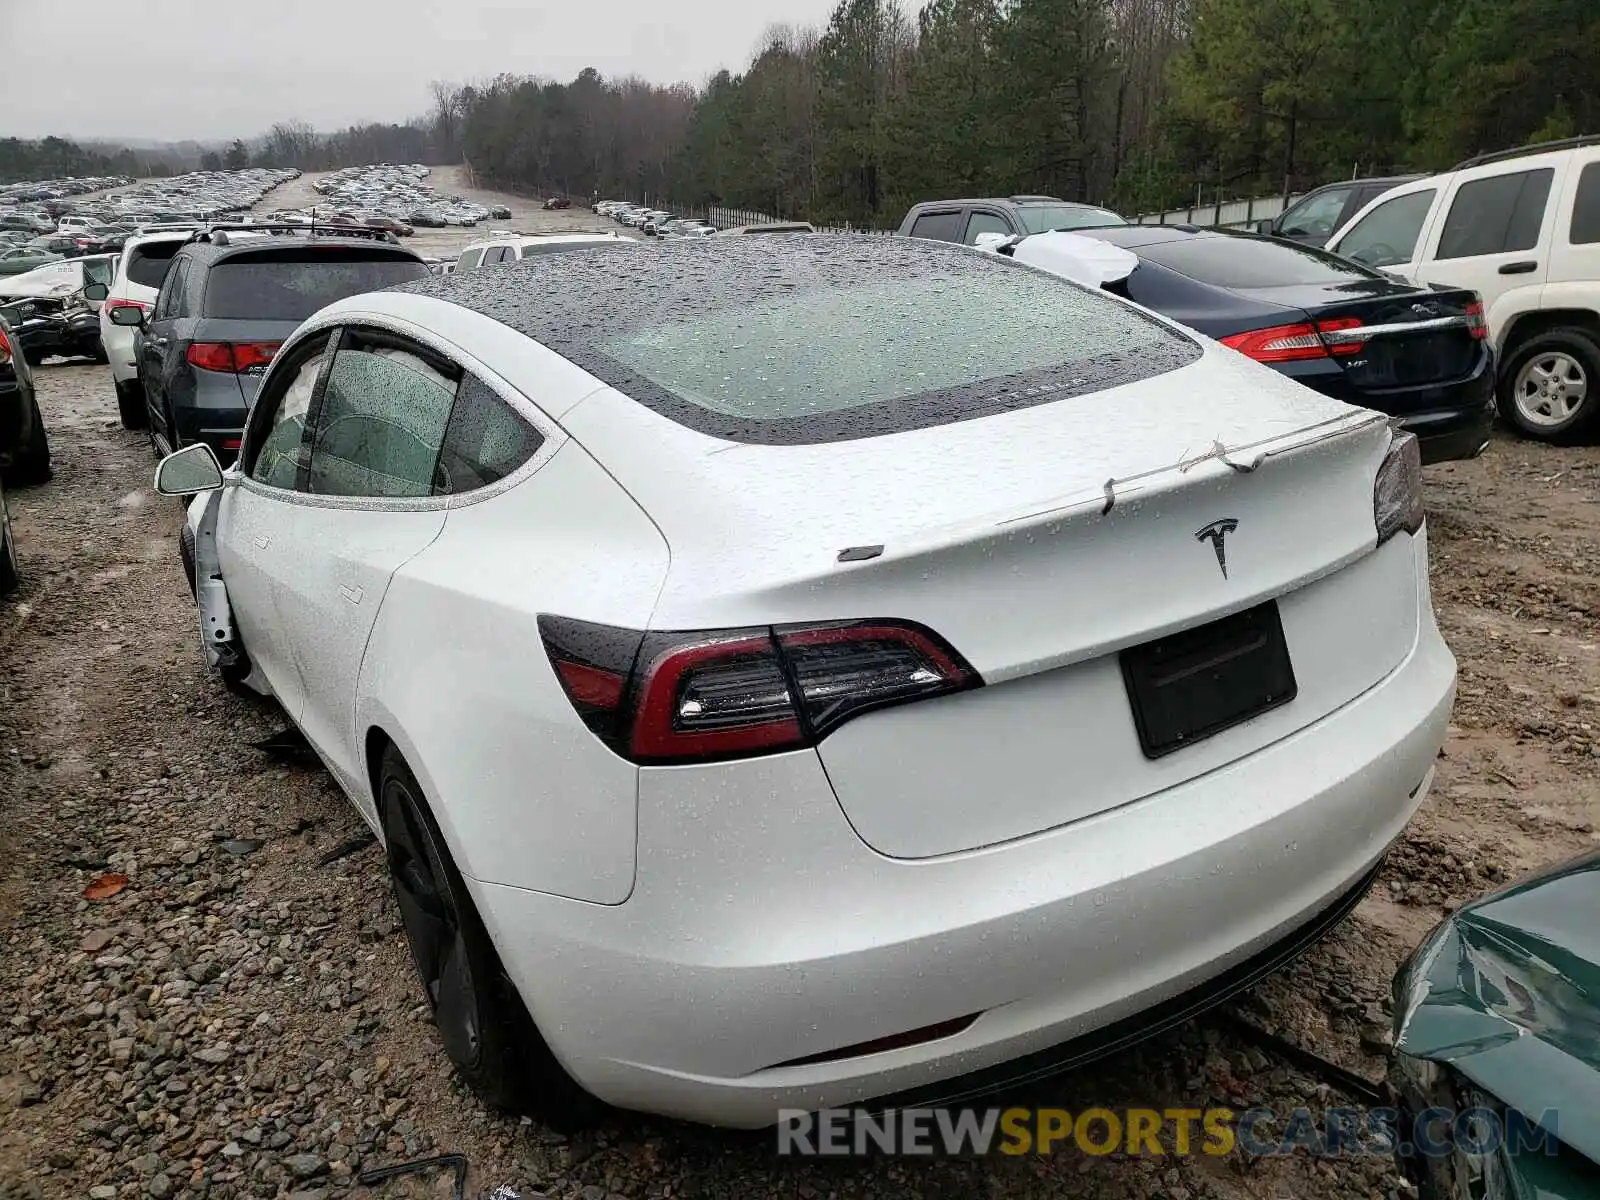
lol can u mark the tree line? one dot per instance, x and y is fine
(59, 158)
(1137, 104)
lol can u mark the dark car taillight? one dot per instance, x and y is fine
(709, 695)
(1294, 343)
(236, 357)
(1476, 325)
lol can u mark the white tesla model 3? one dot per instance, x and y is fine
(792, 672)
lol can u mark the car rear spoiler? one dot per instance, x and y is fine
(216, 234)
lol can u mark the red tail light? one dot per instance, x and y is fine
(1476, 325)
(698, 697)
(211, 356)
(231, 356)
(1294, 343)
(5, 348)
(120, 302)
(253, 354)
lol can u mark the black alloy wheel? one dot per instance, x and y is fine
(432, 918)
(482, 1022)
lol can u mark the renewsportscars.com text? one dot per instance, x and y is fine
(1257, 1132)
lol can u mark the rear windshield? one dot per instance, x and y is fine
(290, 286)
(1248, 262)
(1042, 218)
(886, 356)
(147, 264)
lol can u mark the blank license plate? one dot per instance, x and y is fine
(1191, 685)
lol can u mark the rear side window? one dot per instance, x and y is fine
(1586, 207)
(469, 259)
(170, 301)
(1247, 262)
(381, 424)
(486, 441)
(147, 264)
(1388, 234)
(291, 285)
(941, 226)
(281, 424)
(1496, 215)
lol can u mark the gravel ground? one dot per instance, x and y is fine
(241, 1019)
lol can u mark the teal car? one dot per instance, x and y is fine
(1497, 1044)
(14, 260)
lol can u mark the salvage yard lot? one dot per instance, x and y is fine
(243, 1019)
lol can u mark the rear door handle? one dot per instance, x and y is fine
(1519, 268)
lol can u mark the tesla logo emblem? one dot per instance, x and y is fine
(1216, 533)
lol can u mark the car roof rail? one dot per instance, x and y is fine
(1571, 143)
(216, 234)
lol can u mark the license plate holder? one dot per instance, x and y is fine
(1191, 685)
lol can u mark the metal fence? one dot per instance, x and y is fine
(732, 218)
(1228, 214)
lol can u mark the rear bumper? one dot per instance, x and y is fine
(1451, 421)
(1453, 433)
(762, 930)
(118, 342)
(215, 414)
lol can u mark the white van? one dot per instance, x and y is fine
(1521, 228)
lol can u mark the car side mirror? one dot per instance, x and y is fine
(191, 470)
(95, 291)
(129, 315)
(1265, 227)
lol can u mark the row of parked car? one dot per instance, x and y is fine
(653, 222)
(44, 190)
(33, 233)
(398, 192)
(1417, 277)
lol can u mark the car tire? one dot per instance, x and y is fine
(130, 405)
(34, 357)
(10, 574)
(30, 462)
(1549, 389)
(186, 553)
(98, 354)
(481, 1020)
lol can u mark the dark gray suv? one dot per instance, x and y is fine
(227, 302)
(963, 220)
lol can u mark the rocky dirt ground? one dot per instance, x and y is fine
(241, 1019)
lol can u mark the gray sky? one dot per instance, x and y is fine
(174, 69)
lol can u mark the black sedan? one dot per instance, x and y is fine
(1420, 354)
(24, 447)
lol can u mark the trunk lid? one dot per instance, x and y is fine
(1406, 336)
(1039, 543)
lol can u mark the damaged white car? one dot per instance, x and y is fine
(798, 672)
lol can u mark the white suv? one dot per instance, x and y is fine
(1522, 229)
(144, 263)
(513, 247)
